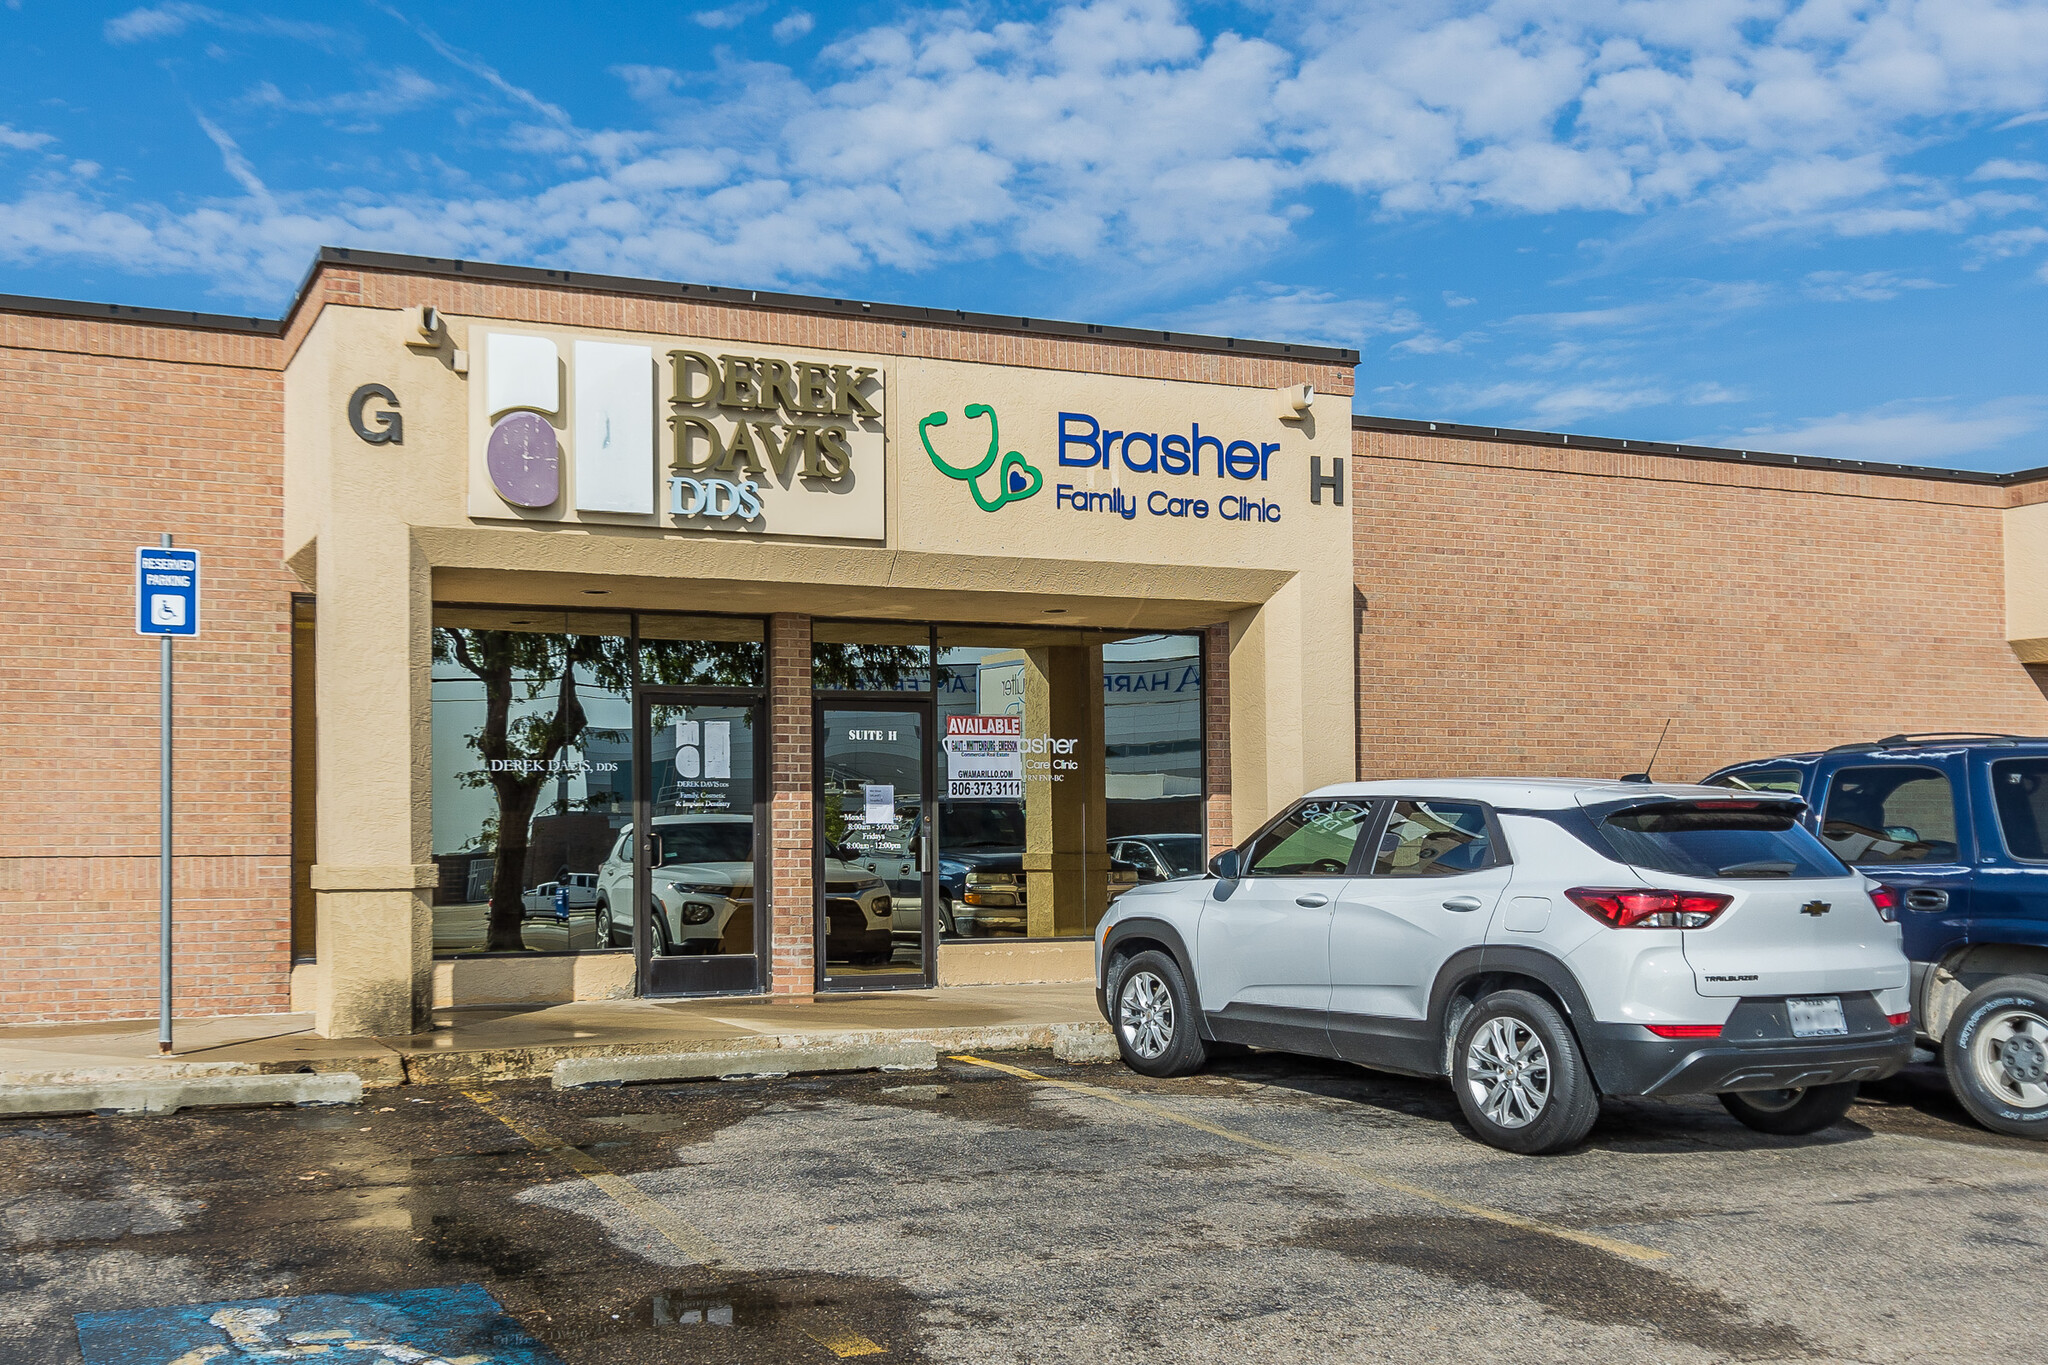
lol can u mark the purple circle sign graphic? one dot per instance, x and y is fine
(525, 460)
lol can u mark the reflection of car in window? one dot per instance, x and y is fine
(981, 868)
(546, 901)
(701, 875)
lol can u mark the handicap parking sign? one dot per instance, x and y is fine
(459, 1326)
(166, 591)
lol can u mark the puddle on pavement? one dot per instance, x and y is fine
(695, 1308)
(755, 1318)
(647, 1123)
(1567, 1278)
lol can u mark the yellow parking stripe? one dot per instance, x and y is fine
(1337, 1165)
(678, 1232)
(843, 1343)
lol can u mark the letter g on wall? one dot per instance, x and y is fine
(390, 429)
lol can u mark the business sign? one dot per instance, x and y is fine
(675, 434)
(166, 591)
(985, 758)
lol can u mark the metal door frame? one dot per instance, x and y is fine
(925, 706)
(645, 699)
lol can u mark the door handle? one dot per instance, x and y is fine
(1312, 900)
(1462, 903)
(1926, 898)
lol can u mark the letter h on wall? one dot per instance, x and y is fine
(1318, 480)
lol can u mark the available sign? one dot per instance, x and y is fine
(985, 758)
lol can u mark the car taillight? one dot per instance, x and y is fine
(1887, 902)
(1685, 1030)
(1630, 908)
(1897, 1019)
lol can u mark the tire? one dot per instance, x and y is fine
(1520, 1076)
(602, 923)
(1155, 1017)
(1790, 1113)
(1995, 1051)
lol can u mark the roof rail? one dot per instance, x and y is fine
(1922, 737)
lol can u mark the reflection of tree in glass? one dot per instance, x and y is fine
(518, 754)
(869, 668)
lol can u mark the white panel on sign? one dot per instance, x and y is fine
(614, 424)
(878, 804)
(521, 372)
(718, 748)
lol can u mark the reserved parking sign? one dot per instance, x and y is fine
(166, 591)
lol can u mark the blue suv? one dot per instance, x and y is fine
(1956, 827)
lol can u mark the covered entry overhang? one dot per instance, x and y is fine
(383, 532)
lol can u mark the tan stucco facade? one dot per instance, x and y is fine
(380, 532)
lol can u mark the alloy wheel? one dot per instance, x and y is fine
(2010, 1056)
(603, 926)
(1145, 1014)
(1507, 1069)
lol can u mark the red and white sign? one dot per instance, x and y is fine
(985, 758)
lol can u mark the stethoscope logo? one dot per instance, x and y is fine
(1016, 478)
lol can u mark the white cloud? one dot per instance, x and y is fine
(151, 23)
(793, 26)
(1452, 299)
(2005, 244)
(1290, 313)
(15, 140)
(2010, 170)
(729, 16)
(1113, 134)
(1918, 431)
(1868, 286)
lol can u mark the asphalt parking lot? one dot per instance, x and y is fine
(1268, 1210)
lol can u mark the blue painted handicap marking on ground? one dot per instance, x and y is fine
(460, 1326)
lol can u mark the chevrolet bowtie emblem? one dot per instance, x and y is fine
(1815, 908)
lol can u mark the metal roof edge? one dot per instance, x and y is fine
(121, 312)
(764, 298)
(1563, 440)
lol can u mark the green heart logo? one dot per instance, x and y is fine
(1016, 477)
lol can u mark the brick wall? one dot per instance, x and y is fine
(1540, 611)
(113, 433)
(792, 900)
(1216, 736)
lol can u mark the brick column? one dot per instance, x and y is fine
(1216, 736)
(792, 901)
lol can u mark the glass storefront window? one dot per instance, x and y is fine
(1070, 770)
(702, 651)
(869, 656)
(532, 772)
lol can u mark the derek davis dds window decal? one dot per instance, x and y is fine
(681, 437)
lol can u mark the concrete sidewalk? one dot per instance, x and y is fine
(507, 1044)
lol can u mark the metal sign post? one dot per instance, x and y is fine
(166, 606)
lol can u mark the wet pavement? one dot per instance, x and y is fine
(1269, 1210)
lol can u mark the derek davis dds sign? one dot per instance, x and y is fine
(678, 435)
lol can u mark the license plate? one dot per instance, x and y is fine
(1817, 1016)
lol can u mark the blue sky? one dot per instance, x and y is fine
(1812, 227)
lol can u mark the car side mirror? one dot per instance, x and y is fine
(1227, 865)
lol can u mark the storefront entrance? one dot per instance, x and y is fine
(874, 839)
(700, 920)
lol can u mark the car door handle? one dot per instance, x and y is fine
(1312, 900)
(1926, 898)
(1463, 903)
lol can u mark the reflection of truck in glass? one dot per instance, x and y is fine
(981, 868)
(701, 868)
(548, 901)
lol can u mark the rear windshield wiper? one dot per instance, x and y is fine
(1760, 868)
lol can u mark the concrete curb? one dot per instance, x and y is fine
(169, 1094)
(572, 1072)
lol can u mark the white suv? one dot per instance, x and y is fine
(1542, 942)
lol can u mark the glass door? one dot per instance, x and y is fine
(874, 869)
(697, 849)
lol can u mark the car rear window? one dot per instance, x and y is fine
(2021, 788)
(1719, 839)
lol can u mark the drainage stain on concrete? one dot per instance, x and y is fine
(1572, 1281)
